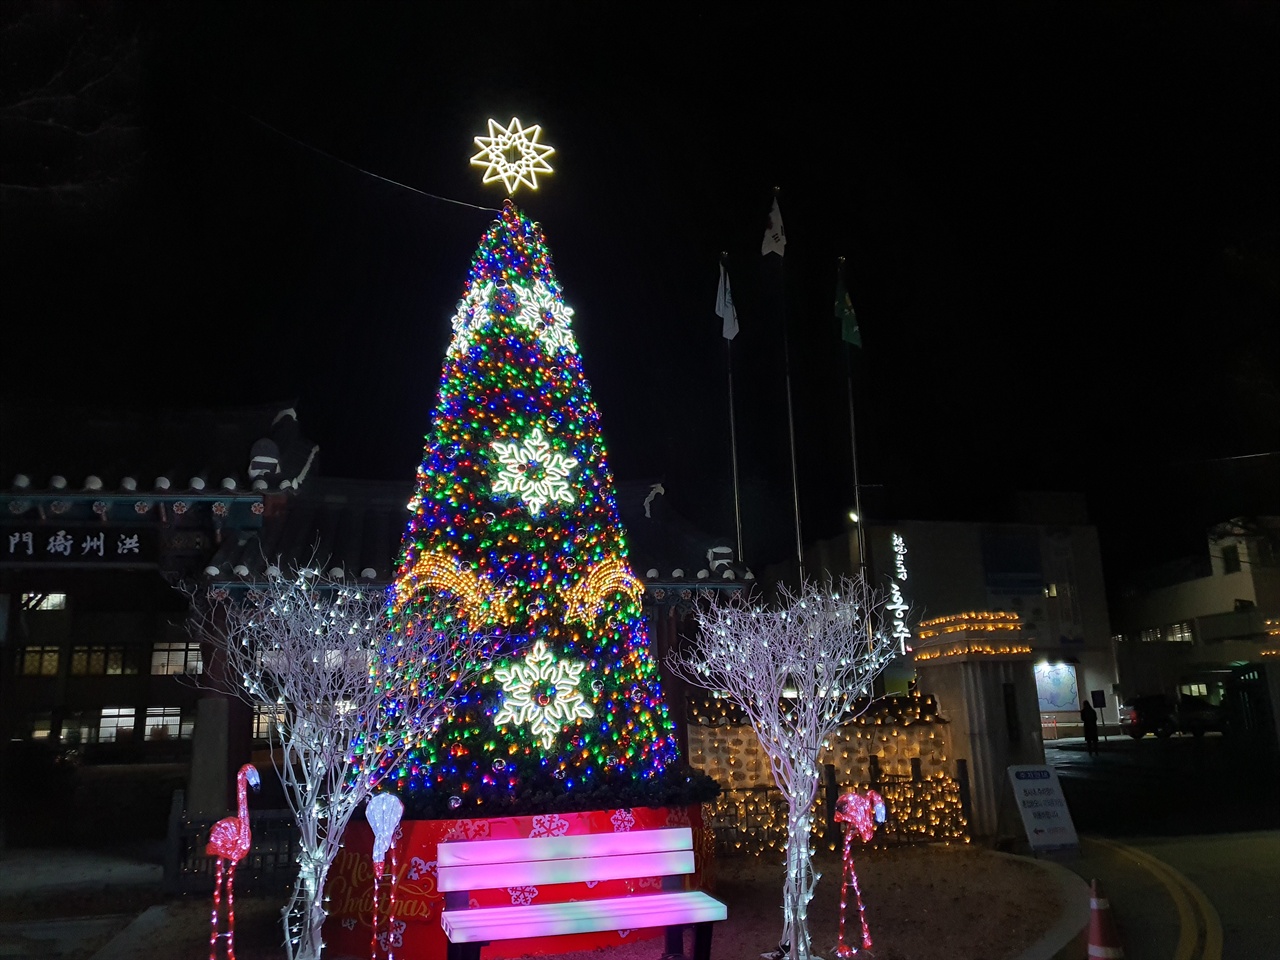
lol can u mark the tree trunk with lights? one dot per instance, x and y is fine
(315, 654)
(798, 671)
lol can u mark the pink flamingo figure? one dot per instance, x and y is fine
(858, 810)
(229, 841)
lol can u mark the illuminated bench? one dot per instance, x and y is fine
(464, 866)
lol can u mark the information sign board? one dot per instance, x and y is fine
(1043, 807)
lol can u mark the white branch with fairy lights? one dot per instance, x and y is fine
(302, 649)
(798, 670)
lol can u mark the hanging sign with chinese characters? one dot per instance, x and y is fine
(70, 544)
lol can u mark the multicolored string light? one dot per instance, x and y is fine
(515, 528)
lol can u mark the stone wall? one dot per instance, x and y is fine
(896, 733)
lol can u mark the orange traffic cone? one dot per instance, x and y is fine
(1103, 939)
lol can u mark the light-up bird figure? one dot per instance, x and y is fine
(862, 813)
(229, 841)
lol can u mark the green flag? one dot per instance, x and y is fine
(849, 331)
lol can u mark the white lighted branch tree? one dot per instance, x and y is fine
(344, 691)
(798, 670)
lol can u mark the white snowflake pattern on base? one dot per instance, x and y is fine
(532, 471)
(544, 314)
(622, 820)
(393, 937)
(349, 923)
(418, 869)
(542, 692)
(549, 825)
(522, 896)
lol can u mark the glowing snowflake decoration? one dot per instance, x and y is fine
(512, 154)
(547, 316)
(533, 471)
(542, 692)
(471, 316)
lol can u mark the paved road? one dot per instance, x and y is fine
(1210, 810)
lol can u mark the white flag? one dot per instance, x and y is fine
(775, 237)
(724, 306)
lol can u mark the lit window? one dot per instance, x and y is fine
(1150, 635)
(41, 726)
(115, 725)
(263, 718)
(1117, 638)
(1179, 633)
(102, 661)
(44, 601)
(168, 723)
(37, 661)
(1194, 689)
(169, 659)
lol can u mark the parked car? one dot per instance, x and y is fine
(1196, 715)
(1151, 714)
(1165, 716)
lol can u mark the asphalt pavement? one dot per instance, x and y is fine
(1183, 836)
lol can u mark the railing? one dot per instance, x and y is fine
(269, 867)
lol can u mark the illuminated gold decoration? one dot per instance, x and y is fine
(585, 599)
(481, 599)
(963, 649)
(973, 621)
(512, 154)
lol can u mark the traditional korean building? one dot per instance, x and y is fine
(112, 520)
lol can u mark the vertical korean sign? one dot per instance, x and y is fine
(897, 605)
(1043, 807)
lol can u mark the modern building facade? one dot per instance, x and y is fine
(1210, 627)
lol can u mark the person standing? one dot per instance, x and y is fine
(1090, 718)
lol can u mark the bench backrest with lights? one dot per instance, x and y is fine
(467, 865)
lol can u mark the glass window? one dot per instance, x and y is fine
(102, 661)
(168, 723)
(1150, 635)
(263, 717)
(37, 661)
(1231, 559)
(115, 725)
(1118, 637)
(44, 601)
(1179, 633)
(1194, 689)
(41, 726)
(169, 659)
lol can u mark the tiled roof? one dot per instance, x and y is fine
(65, 450)
(351, 526)
(666, 547)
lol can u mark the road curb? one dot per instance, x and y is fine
(1068, 938)
(124, 945)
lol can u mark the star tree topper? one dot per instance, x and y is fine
(533, 471)
(512, 154)
(542, 692)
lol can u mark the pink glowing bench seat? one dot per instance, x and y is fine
(467, 865)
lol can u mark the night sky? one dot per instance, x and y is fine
(1061, 224)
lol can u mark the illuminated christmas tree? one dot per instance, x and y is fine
(515, 532)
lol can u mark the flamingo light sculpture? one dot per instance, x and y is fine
(229, 841)
(861, 813)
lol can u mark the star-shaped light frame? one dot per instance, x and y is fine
(529, 160)
(532, 471)
(542, 692)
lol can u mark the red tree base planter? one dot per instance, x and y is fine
(348, 930)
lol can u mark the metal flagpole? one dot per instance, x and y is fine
(853, 444)
(733, 435)
(791, 420)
